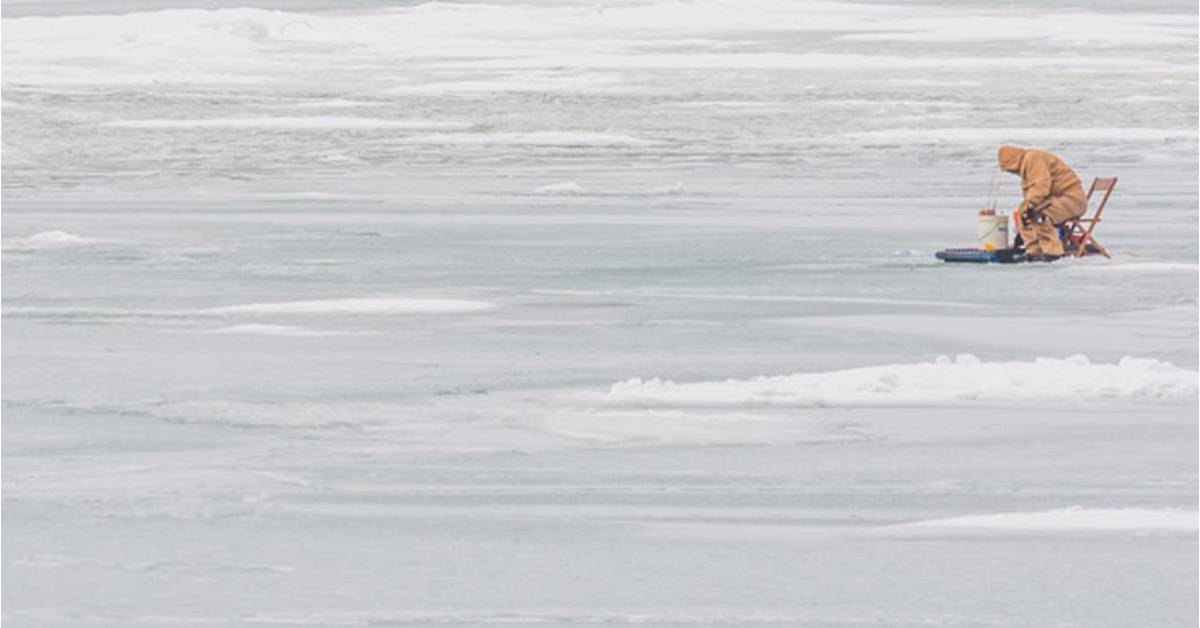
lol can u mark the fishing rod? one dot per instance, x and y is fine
(991, 197)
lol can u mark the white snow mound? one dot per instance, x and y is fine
(943, 380)
(1074, 518)
(367, 305)
(669, 190)
(564, 188)
(47, 240)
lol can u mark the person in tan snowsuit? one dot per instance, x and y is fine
(1052, 193)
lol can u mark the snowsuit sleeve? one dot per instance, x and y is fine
(1036, 180)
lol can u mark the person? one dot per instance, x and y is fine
(1053, 194)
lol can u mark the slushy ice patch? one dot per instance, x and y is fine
(944, 380)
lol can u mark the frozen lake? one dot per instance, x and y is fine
(462, 314)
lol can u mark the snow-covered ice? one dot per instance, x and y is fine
(537, 313)
(941, 381)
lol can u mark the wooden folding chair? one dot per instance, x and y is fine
(1077, 232)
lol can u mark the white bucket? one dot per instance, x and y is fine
(992, 230)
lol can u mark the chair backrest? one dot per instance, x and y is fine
(1102, 185)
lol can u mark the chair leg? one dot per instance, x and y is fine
(1073, 234)
(1088, 239)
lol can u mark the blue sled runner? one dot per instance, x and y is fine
(980, 256)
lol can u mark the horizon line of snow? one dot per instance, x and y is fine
(846, 20)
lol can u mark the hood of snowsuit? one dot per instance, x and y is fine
(1010, 159)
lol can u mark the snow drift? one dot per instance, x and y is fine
(943, 380)
(561, 189)
(46, 240)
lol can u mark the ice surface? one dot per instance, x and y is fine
(256, 329)
(538, 138)
(1150, 268)
(290, 123)
(306, 321)
(1028, 135)
(363, 305)
(1075, 519)
(1067, 27)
